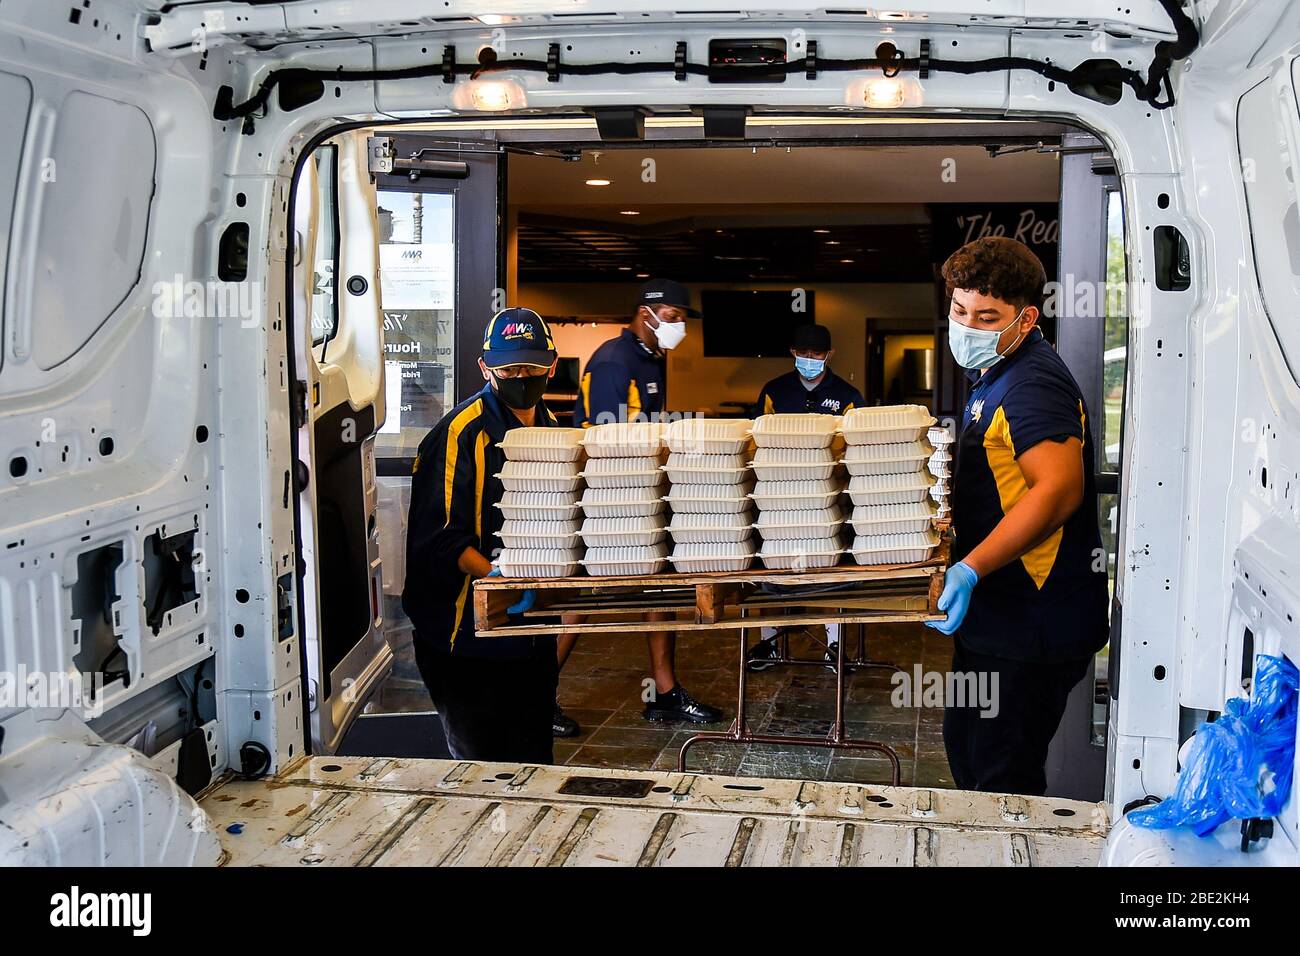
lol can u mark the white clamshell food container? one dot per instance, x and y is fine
(894, 548)
(539, 562)
(795, 430)
(603, 562)
(542, 444)
(798, 554)
(886, 424)
(899, 458)
(621, 502)
(540, 505)
(623, 440)
(716, 556)
(890, 489)
(893, 519)
(708, 436)
(623, 532)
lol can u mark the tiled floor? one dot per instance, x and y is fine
(601, 688)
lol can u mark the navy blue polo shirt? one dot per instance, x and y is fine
(453, 492)
(1050, 604)
(786, 393)
(623, 382)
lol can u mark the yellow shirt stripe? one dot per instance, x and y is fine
(471, 412)
(633, 401)
(480, 447)
(1001, 453)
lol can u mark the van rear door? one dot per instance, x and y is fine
(338, 339)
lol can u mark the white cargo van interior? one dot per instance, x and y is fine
(210, 387)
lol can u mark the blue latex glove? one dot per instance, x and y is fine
(525, 603)
(958, 583)
(494, 573)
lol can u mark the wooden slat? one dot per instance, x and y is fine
(776, 620)
(711, 601)
(858, 603)
(490, 607)
(936, 589)
(840, 574)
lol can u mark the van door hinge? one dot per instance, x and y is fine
(380, 150)
(299, 403)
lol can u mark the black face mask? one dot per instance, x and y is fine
(522, 392)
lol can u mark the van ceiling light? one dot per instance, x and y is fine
(489, 96)
(884, 92)
(629, 212)
(598, 182)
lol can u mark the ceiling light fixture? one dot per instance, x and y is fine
(598, 182)
(489, 96)
(629, 212)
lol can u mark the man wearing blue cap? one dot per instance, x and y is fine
(495, 698)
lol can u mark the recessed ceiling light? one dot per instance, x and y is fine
(643, 275)
(846, 261)
(629, 212)
(597, 182)
(822, 231)
(624, 268)
(832, 242)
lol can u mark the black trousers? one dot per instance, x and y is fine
(1007, 752)
(492, 709)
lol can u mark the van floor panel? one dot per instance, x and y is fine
(365, 811)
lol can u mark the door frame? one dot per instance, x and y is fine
(1076, 765)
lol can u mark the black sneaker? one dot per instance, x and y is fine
(761, 655)
(562, 725)
(677, 704)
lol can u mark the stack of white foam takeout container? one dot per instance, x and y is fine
(798, 491)
(543, 481)
(941, 467)
(623, 523)
(886, 454)
(709, 484)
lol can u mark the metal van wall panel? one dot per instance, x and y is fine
(96, 234)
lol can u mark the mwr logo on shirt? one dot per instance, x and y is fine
(832, 403)
(517, 330)
(652, 388)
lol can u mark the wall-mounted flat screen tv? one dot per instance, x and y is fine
(752, 323)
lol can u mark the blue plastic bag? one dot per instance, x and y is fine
(1239, 766)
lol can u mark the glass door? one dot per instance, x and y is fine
(438, 278)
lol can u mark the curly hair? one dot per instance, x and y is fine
(995, 265)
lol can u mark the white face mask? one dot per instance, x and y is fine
(668, 334)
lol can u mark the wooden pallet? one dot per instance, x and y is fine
(713, 601)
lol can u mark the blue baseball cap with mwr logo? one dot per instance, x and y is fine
(518, 337)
